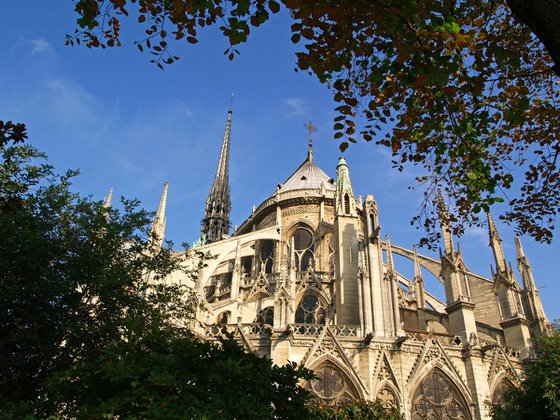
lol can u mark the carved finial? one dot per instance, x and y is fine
(311, 128)
(417, 271)
(390, 263)
(445, 223)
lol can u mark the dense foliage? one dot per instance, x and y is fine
(538, 396)
(85, 332)
(460, 88)
(355, 410)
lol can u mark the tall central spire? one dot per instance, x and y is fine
(218, 204)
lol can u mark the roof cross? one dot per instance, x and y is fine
(311, 128)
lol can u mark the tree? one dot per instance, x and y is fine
(355, 410)
(85, 332)
(460, 88)
(172, 376)
(538, 397)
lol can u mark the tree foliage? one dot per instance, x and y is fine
(355, 410)
(538, 397)
(166, 374)
(85, 332)
(459, 88)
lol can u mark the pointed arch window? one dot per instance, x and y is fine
(331, 385)
(223, 318)
(265, 316)
(498, 397)
(304, 247)
(346, 203)
(266, 255)
(311, 310)
(438, 398)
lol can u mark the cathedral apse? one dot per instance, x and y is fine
(310, 277)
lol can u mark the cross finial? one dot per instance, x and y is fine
(311, 128)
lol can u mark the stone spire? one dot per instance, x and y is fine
(108, 199)
(524, 267)
(532, 300)
(158, 225)
(215, 224)
(496, 244)
(444, 221)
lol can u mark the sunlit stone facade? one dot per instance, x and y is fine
(308, 278)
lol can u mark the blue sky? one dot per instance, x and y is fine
(124, 123)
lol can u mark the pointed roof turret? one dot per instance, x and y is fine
(345, 200)
(216, 223)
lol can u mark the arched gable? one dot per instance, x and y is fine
(501, 384)
(437, 396)
(334, 382)
(387, 393)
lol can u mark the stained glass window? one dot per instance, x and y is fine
(303, 247)
(265, 316)
(266, 255)
(310, 311)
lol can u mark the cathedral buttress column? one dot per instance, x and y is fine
(419, 291)
(346, 236)
(460, 307)
(393, 297)
(506, 288)
(535, 310)
(375, 265)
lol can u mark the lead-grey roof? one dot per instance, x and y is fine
(308, 176)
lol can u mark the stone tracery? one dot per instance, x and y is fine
(437, 398)
(310, 310)
(331, 385)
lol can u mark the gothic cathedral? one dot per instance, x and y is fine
(308, 278)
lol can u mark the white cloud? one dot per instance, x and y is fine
(40, 45)
(478, 234)
(297, 106)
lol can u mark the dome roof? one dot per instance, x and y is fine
(308, 176)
